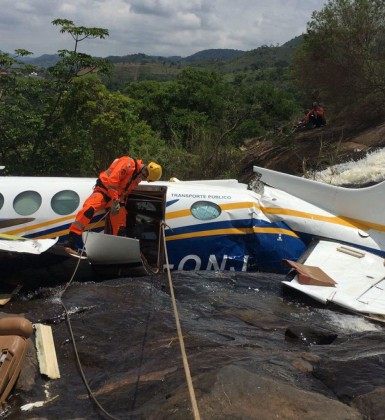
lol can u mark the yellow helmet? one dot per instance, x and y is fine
(154, 171)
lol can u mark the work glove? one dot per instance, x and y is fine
(115, 207)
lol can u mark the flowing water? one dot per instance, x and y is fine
(366, 171)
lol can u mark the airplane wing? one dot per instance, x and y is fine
(343, 275)
(350, 202)
(9, 243)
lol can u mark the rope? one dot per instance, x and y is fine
(89, 390)
(74, 346)
(144, 340)
(180, 335)
(147, 267)
(178, 327)
(149, 270)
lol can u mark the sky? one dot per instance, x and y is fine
(154, 27)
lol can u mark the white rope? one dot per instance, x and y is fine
(180, 336)
(69, 325)
(178, 327)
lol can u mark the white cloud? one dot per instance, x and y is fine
(159, 27)
(23, 6)
(188, 20)
(67, 8)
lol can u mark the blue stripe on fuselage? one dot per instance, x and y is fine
(59, 228)
(238, 223)
(171, 202)
(263, 252)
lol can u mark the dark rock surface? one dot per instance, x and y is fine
(311, 149)
(372, 404)
(234, 325)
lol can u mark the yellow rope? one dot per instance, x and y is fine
(180, 336)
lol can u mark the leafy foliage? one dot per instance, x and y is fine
(65, 121)
(31, 117)
(342, 58)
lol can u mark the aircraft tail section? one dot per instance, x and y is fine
(364, 204)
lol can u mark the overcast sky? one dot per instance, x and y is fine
(155, 27)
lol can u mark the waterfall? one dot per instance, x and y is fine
(366, 171)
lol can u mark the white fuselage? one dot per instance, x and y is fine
(210, 224)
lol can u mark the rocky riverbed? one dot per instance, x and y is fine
(255, 351)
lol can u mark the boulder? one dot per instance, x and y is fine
(240, 394)
(372, 404)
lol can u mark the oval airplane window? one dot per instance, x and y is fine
(27, 203)
(1, 200)
(205, 210)
(65, 202)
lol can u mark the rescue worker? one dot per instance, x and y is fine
(111, 190)
(316, 116)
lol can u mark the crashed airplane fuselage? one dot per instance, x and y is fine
(217, 225)
(221, 225)
(211, 225)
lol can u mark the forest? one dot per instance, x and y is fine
(74, 117)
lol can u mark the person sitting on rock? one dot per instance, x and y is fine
(316, 116)
(302, 124)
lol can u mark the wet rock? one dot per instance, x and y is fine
(372, 404)
(29, 370)
(354, 366)
(310, 357)
(309, 336)
(288, 155)
(233, 326)
(239, 394)
(302, 365)
(130, 378)
(350, 378)
(263, 321)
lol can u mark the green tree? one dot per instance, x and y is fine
(99, 125)
(31, 108)
(342, 58)
(72, 64)
(156, 103)
(22, 104)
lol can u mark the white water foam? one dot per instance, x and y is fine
(370, 169)
(350, 323)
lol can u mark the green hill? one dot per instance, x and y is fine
(213, 55)
(141, 66)
(263, 57)
(45, 60)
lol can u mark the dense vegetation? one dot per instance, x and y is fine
(192, 115)
(342, 59)
(65, 121)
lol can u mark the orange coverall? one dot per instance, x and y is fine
(115, 183)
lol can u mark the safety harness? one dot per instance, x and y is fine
(100, 187)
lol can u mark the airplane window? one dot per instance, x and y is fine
(65, 202)
(27, 203)
(1, 200)
(205, 210)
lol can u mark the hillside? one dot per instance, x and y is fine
(263, 57)
(213, 55)
(141, 66)
(47, 60)
(312, 150)
(139, 58)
